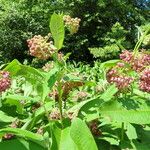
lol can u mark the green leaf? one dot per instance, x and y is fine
(5, 118)
(13, 67)
(111, 140)
(90, 109)
(14, 102)
(39, 113)
(31, 74)
(117, 112)
(25, 134)
(19, 97)
(141, 94)
(57, 29)
(109, 63)
(109, 93)
(20, 144)
(131, 131)
(38, 79)
(62, 139)
(82, 136)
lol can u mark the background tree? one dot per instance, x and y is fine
(21, 19)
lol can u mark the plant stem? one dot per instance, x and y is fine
(122, 132)
(138, 44)
(60, 92)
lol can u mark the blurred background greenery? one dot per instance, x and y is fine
(106, 28)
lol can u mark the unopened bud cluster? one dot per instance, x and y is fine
(40, 47)
(48, 66)
(55, 114)
(5, 80)
(72, 23)
(145, 81)
(81, 95)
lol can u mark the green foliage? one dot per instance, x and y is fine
(21, 145)
(71, 107)
(98, 17)
(114, 42)
(19, 21)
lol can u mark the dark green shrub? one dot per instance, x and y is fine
(98, 17)
(19, 21)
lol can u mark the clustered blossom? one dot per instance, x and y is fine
(40, 131)
(126, 56)
(55, 114)
(40, 47)
(48, 66)
(81, 95)
(145, 81)
(139, 62)
(72, 23)
(130, 62)
(5, 80)
(121, 81)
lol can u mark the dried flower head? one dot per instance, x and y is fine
(93, 125)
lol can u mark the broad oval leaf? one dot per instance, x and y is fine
(57, 29)
(82, 136)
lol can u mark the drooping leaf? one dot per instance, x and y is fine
(109, 63)
(14, 102)
(141, 94)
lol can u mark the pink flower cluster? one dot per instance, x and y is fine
(139, 62)
(126, 56)
(130, 62)
(145, 80)
(121, 81)
(40, 47)
(5, 80)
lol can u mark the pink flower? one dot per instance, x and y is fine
(5, 81)
(126, 56)
(40, 47)
(144, 83)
